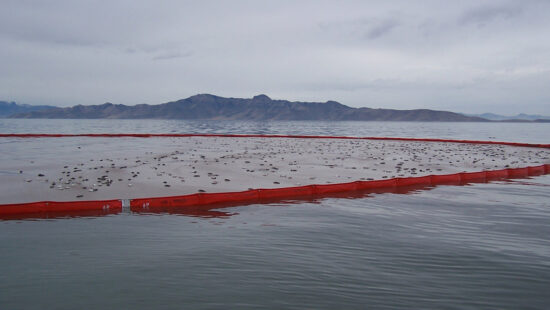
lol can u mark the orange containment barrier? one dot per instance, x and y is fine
(518, 172)
(164, 204)
(336, 188)
(466, 177)
(446, 179)
(286, 192)
(112, 206)
(538, 170)
(378, 186)
(498, 174)
(422, 181)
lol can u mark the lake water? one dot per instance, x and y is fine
(481, 246)
(514, 132)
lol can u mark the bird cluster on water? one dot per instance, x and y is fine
(214, 164)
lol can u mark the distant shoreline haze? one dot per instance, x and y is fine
(258, 108)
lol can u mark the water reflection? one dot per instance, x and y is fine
(57, 215)
(205, 211)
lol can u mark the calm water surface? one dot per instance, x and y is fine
(515, 132)
(481, 246)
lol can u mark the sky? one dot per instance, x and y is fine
(462, 56)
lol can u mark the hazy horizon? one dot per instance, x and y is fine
(469, 57)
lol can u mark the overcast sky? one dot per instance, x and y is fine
(463, 56)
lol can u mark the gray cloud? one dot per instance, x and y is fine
(172, 55)
(381, 28)
(480, 16)
(363, 28)
(462, 56)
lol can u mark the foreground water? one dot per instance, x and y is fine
(481, 246)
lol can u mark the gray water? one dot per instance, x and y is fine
(480, 246)
(513, 132)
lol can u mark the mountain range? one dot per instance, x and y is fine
(261, 107)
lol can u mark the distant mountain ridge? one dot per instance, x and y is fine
(261, 107)
(11, 108)
(521, 116)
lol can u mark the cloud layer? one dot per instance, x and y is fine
(472, 56)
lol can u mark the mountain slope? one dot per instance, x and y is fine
(11, 108)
